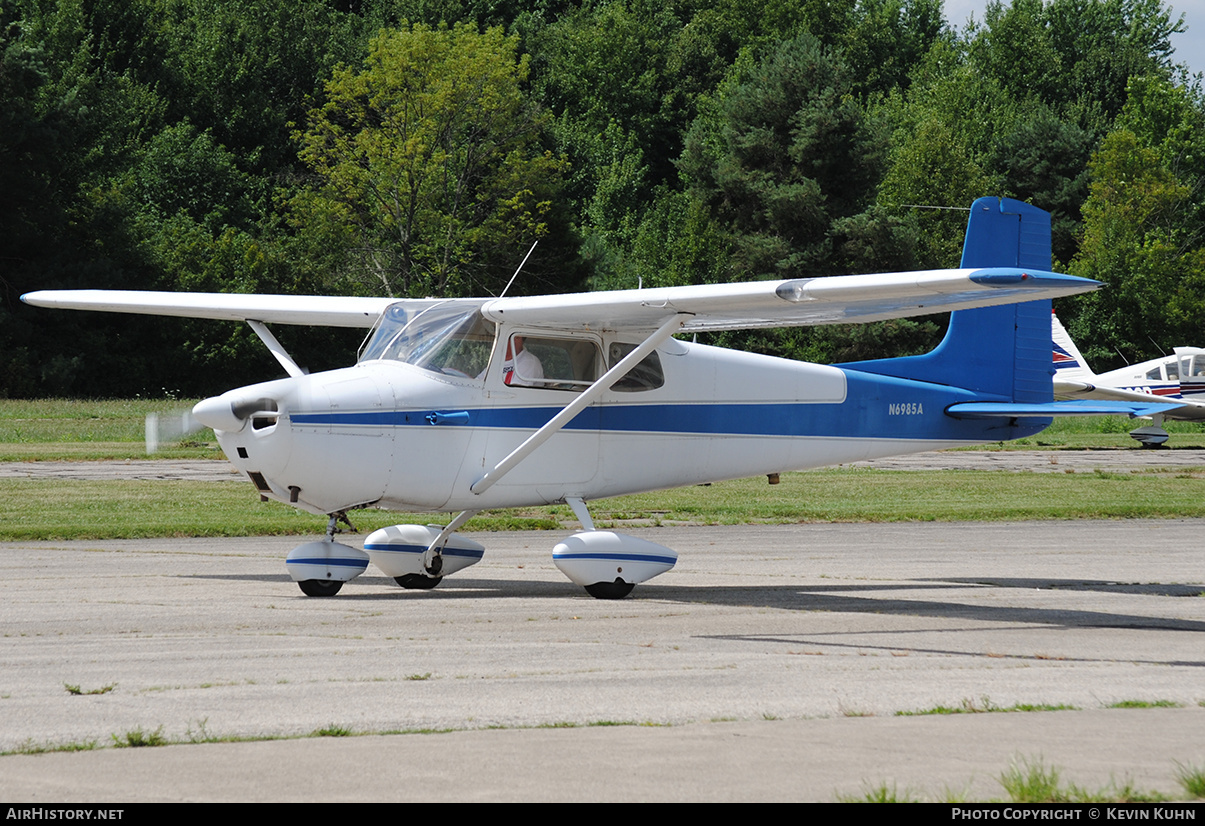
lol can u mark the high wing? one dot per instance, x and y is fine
(322, 311)
(795, 302)
(792, 303)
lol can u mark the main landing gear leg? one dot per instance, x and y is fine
(608, 565)
(1152, 435)
(599, 590)
(433, 559)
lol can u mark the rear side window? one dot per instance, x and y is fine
(647, 375)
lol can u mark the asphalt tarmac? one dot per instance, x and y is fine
(770, 664)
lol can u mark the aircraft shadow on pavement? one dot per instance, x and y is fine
(836, 598)
(1158, 589)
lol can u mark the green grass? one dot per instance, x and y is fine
(865, 495)
(198, 731)
(1031, 780)
(1026, 780)
(125, 509)
(333, 731)
(1192, 779)
(1103, 432)
(137, 738)
(985, 706)
(70, 429)
(32, 747)
(882, 793)
(81, 692)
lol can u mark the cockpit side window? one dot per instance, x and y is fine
(550, 363)
(647, 375)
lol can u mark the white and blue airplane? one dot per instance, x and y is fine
(1179, 377)
(458, 405)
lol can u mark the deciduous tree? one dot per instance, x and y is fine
(428, 162)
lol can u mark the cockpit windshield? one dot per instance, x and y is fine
(450, 338)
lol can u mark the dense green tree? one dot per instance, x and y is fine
(1170, 119)
(1074, 55)
(245, 69)
(1044, 160)
(788, 162)
(429, 166)
(1142, 240)
(186, 170)
(1104, 43)
(887, 39)
(604, 71)
(933, 178)
(154, 144)
(786, 157)
(1015, 49)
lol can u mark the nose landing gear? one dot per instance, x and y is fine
(320, 568)
(320, 587)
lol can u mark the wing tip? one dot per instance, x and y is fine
(1016, 276)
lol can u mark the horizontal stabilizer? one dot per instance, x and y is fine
(993, 410)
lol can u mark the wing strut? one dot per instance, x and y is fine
(282, 355)
(588, 397)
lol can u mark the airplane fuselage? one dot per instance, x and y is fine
(390, 434)
(1179, 376)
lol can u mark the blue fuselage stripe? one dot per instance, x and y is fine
(875, 406)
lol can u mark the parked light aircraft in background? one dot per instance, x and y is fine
(1178, 377)
(441, 414)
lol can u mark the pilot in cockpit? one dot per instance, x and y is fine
(522, 368)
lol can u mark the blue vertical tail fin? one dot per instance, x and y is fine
(999, 351)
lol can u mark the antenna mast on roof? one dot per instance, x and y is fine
(521, 263)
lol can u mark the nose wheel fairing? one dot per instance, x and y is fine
(321, 567)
